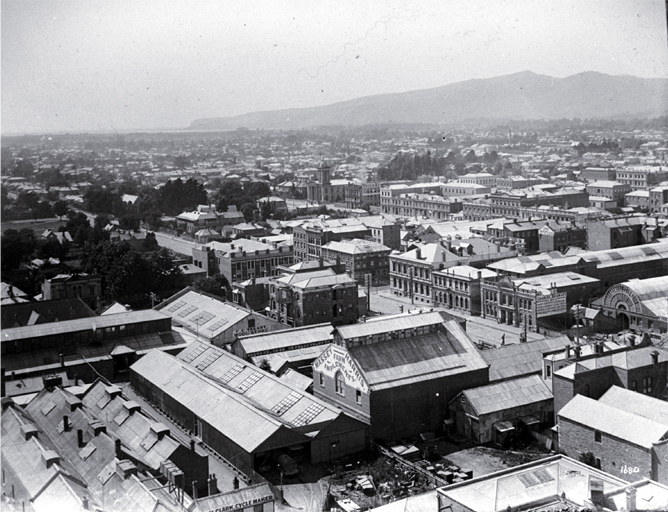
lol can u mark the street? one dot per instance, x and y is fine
(479, 329)
(178, 245)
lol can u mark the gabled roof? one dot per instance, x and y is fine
(617, 422)
(404, 361)
(319, 334)
(510, 361)
(636, 403)
(263, 391)
(40, 312)
(507, 395)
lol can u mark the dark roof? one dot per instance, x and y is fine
(40, 312)
(410, 360)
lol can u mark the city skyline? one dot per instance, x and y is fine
(94, 66)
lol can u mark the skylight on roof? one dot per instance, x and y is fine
(121, 416)
(190, 357)
(308, 415)
(175, 306)
(102, 402)
(281, 407)
(86, 451)
(249, 382)
(231, 373)
(48, 407)
(202, 318)
(187, 311)
(212, 356)
(217, 325)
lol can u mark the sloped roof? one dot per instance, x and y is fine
(636, 403)
(320, 334)
(224, 410)
(510, 361)
(404, 361)
(204, 313)
(652, 288)
(620, 423)
(382, 324)
(261, 390)
(508, 394)
(40, 312)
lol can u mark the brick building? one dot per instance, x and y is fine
(640, 177)
(361, 258)
(311, 236)
(308, 298)
(613, 190)
(424, 205)
(626, 432)
(243, 259)
(558, 236)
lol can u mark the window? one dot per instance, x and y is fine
(634, 386)
(597, 436)
(322, 380)
(340, 384)
(548, 372)
(647, 385)
(358, 396)
(251, 323)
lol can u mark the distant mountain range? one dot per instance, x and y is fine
(518, 96)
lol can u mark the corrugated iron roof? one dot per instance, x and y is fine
(507, 394)
(510, 361)
(280, 340)
(622, 424)
(403, 361)
(380, 325)
(636, 403)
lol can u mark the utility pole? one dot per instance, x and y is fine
(577, 323)
(367, 278)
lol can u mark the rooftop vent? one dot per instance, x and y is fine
(49, 458)
(131, 406)
(125, 468)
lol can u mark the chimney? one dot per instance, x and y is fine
(568, 351)
(418, 253)
(596, 491)
(84, 502)
(80, 442)
(479, 275)
(194, 489)
(125, 468)
(212, 484)
(192, 445)
(62, 360)
(655, 357)
(321, 261)
(119, 453)
(577, 352)
(631, 499)
(66, 424)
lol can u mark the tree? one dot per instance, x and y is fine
(210, 285)
(588, 458)
(247, 209)
(265, 365)
(60, 208)
(16, 246)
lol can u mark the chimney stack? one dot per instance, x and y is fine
(66, 423)
(119, 454)
(192, 445)
(418, 253)
(194, 489)
(80, 442)
(631, 499)
(655, 357)
(212, 484)
(568, 351)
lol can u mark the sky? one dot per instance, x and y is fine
(104, 65)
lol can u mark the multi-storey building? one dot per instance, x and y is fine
(639, 177)
(423, 205)
(614, 190)
(243, 259)
(308, 298)
(360, 195)
(590, 174)
(658, 196)
(88, 287)
(525, 301)
(459, 188)
(310, 237)
(558, 236)
(458, 288)
(482, 178)
(384, 230)
(411, 272)
(361, 258)
(391, 191)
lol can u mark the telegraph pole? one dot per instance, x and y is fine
(411, 275)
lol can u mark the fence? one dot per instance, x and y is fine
(437, 481)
